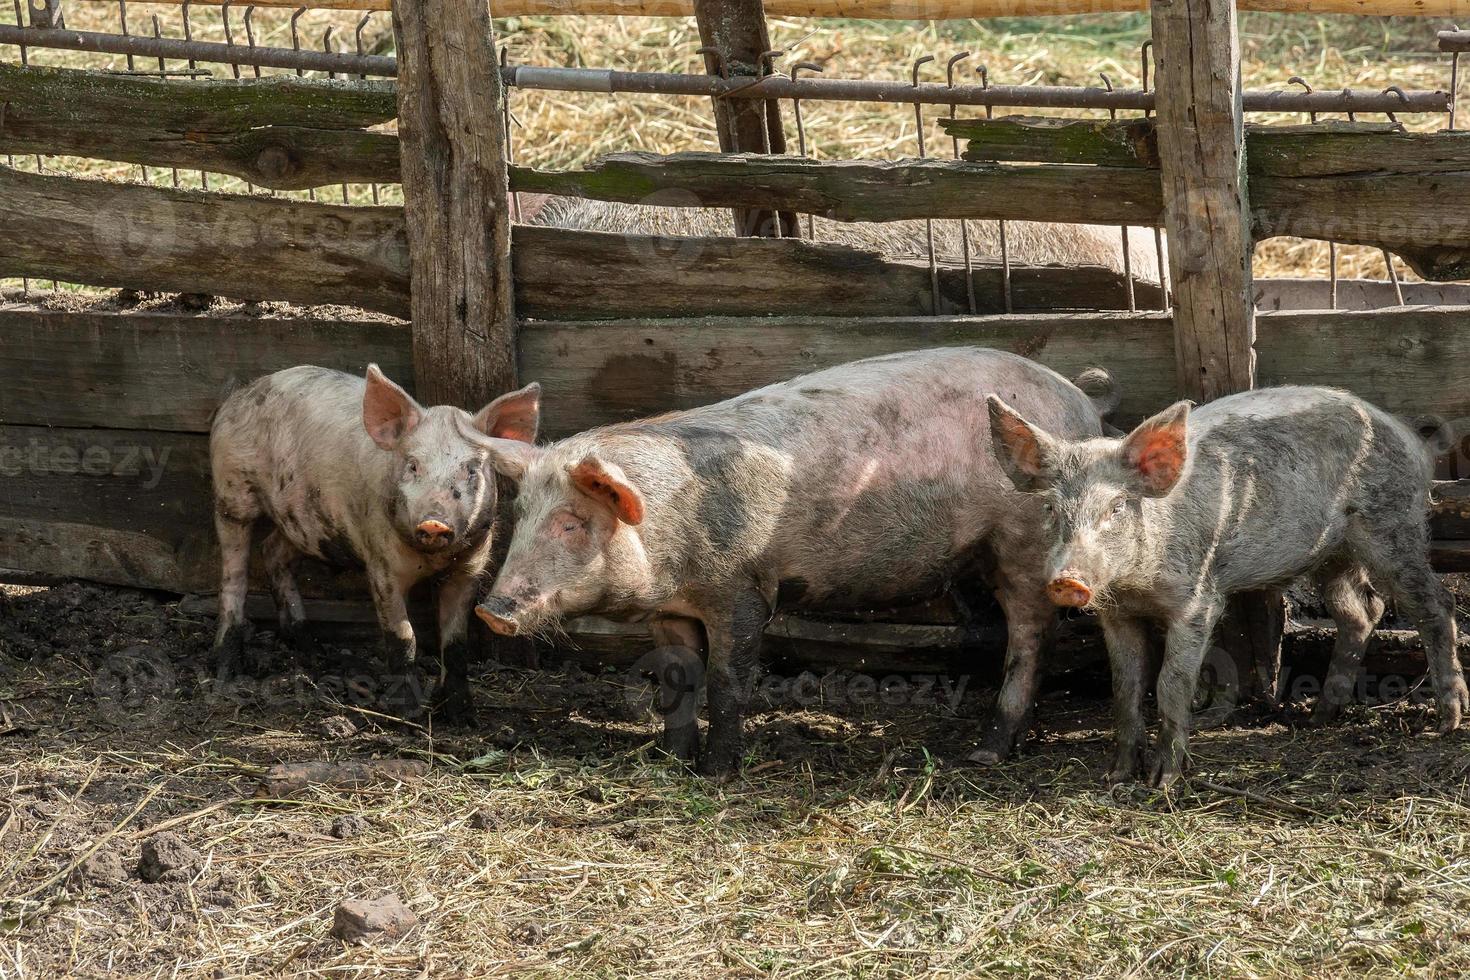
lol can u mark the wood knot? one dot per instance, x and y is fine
(274, 162)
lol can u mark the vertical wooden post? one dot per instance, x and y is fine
(737, 30)
(1202, 152)
(455, 194)
(1207, 214)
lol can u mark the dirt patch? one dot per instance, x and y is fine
(555, 839)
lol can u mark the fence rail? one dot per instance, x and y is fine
(910, 9)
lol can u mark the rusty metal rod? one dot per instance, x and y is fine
(1454, 40)
(710, 86)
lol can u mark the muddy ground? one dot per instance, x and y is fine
(552, 839)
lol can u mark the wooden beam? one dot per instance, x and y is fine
(866, 190)
(165, 372)
(456, 194)
(562, 274)
(918, 9)
(243, 247)
(283, 133)
(1052, 139)
(1202, 152)
(736, 31)
(123, 235)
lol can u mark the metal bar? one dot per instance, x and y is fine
(1455, 40)
(1005, 249)
(964, 225)
(928, 222)
(710, 86)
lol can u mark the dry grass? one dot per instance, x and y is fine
(570, 129)
(554, 841)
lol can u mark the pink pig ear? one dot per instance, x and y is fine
(388, 412)
(514, 415)
(606, 483)
(1024, 451)
(1157, 451)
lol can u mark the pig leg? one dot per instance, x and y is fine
(1128, 658)
(1355, 610)
(1397, 557)
(1030, 623)
(1186, 644)
(234, 546)
(402, 685)
(734, 652)
(280, 557)
(454, 703)
(679, 671)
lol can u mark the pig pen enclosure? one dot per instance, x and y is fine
(259, 186)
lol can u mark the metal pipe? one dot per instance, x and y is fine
(1455, 40)
(710, 86)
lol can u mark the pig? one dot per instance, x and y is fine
(353, 471)
(1248, 492)
(1028, 242)
(864, 485)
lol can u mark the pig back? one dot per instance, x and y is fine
(888, 480)
(1277, 473)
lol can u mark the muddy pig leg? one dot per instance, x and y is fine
(1030, 625)
(453, 702)
(280, 557)
(734, 655)
(1187, 643)
(1129, 661)
(234, 546)
(677, 667)
(1355, 610)
(402, 687)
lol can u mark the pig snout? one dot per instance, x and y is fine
(1068, 589)
(433, 533)
(498, 612)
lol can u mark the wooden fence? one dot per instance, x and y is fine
(104, 414)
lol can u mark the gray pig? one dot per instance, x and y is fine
(1247, 492)
(864, 485)
(355, 472)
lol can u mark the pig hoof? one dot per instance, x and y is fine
(717, 768)
(1324, 713)
(1163, 776)
(682, 744)
(1452, 707)
(456, 708)
(984, 757)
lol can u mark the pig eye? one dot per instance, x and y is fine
(473, 468)
(413, 467)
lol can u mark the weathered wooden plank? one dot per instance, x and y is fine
(916, 9)
(104, 234)
(122, 506)
(736, 32)
(283, 133)
(1408, 361)
(455, 195)
(865, 190)
(1049, 139)
(1202, 149)
(1450, 511)
(594, 373)
(1335, 148)
(594, 275)
(73, 96)
(123, 235)
(166, 372)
